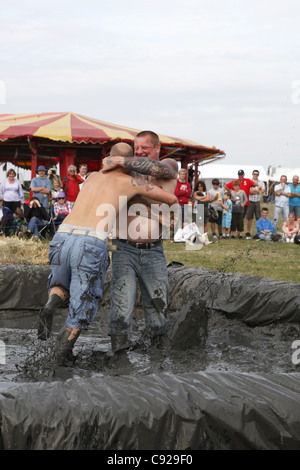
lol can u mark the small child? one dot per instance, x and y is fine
(20, 220)
(227, 214)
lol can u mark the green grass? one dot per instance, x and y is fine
(276, 260)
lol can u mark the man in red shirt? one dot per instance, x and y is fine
(71, 184)
(245, 185)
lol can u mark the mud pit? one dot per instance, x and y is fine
(225, 379)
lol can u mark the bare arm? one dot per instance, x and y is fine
(159, 169)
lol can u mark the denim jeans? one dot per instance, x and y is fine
(277, 212)
(79, 264)
(129, 265)
(34, 225)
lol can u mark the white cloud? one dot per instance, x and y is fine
(219, 72)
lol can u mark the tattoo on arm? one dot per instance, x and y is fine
(141, 180)
(147, 166)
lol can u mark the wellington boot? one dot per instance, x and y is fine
(46, 316)
(66, 340)
(118, 342)
(157, 341)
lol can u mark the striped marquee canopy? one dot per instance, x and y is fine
(53, 133)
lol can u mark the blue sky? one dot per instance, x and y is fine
(219, 72)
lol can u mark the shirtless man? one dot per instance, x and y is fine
(141, 257)
(78, 251)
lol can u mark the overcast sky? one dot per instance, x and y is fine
(218, 72)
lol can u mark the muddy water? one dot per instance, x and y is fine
(230, 346)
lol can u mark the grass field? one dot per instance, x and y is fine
(276, 260)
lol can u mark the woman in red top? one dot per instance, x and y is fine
(71, 184)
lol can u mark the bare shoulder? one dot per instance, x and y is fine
(171, 165)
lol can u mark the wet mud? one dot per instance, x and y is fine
(223, 345)
(224, 378)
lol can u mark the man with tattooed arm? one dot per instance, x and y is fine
(139, 255)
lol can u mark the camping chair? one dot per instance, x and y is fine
(48, 230)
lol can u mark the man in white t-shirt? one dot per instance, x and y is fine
(282, 194)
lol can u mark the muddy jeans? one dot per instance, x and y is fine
(79, 264)
(129, 265)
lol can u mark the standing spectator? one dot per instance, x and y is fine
(201, 200)
(41, 187)
(216, 196)
(245, 185)
(56, 189)
(7, 222)
(12, 192)
(239, 199)
(282, 194)
(71, 184)
(294, 201)
(52, 175)
(183, 190)
(227, 214)
(254, 201)
(83, 169)
(264, 226)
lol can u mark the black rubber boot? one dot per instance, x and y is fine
(157, 341)
(118, 342)
(46, 316)
(66, 340)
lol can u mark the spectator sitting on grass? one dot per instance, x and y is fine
(264, 226)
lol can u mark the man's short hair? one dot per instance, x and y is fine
(215, 181)
(154, 137)
(265, 209)
(121, 149)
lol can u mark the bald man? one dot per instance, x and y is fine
(79, 254)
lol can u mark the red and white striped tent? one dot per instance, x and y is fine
(28, 140)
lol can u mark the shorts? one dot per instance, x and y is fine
(253, 209)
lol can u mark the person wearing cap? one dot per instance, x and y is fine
(62, 208)
(41, 187)
(245, 185)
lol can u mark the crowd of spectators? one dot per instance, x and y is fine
(227, 209)
(236, 204)
(52, 199)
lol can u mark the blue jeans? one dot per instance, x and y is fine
(34, 225)
(130, 264)
(79, 264)
(277, 212)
